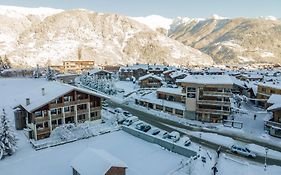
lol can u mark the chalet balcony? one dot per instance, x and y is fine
(216, 94)
(57, 116)
(82, 111)
(69, 114)
(213, 102)
(45, 130)
(93, 109)
(212, 111)
(69, 103)
(41, 119)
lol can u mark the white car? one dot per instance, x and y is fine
(130, 120)
(243, 151)
(174, 136)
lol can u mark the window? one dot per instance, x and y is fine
(53, 111)
(179, 112)
(191, 89)
(168, 109)
(68, 98)
(82, 106)
(39, 126)
(67, 109)
(159, 107)
(190, 95)
(38, 114)
(54, 122)
(59, 121)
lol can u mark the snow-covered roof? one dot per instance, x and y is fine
(94, 71)
(95, 162)
(66, 75)
(151, 98)
(274, 107)
(52, 91)
(177, 74)
(274, 98)
(135, 67)
(150, 76)
(274, 84)
(177, 91)
(207, 79)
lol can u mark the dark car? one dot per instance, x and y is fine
(146, 128)
(155, 131)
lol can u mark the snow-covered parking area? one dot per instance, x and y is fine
(140, 156)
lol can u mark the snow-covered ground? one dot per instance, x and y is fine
(140, 156)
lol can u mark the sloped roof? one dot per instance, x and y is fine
(274, 98)
(207, 79)
(94, 71)
(150, 76)
(95, 162)
(52, 90)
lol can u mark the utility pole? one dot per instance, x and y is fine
(266, 150)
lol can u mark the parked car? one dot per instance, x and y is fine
(143, 127)
(174, 136)
(165, 135)
(139, 126)
(155, 131)
(127, 114)
(187, 141)
(130, 120)
(242, 151)
(118, 110)
(146, 128)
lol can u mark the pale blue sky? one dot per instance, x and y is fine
(166, 8)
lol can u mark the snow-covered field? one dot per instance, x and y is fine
(140, 156)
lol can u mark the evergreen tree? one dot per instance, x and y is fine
(8, 140)
(50, 74)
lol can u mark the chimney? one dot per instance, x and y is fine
(43, 91)
(27, 101)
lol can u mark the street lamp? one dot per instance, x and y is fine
(266, 150)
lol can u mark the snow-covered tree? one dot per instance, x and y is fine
(8, 140)
(50, 74)
(36, 73)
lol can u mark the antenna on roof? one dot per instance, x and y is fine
(43, 91)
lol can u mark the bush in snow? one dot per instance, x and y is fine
(8, 140)
(64, 132)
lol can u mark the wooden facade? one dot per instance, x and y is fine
(265, 91)
(78, 66)
(72, 107)
(150, 82)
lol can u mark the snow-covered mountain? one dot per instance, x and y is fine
(155, 21)
(105, 38)
(231, 41)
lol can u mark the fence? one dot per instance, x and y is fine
(164, 143)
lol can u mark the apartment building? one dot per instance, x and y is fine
(273, 126)
(265, 90)
(78, 66)
(207, 97)
(55, 104)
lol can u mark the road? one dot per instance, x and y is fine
(164, 124)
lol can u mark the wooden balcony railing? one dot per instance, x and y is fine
(213, 102)
(213, 111)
